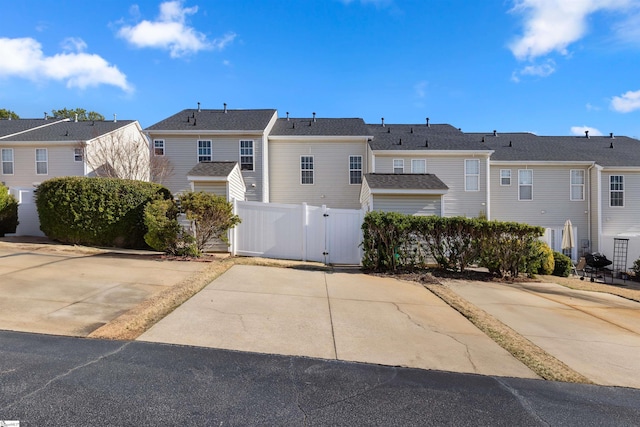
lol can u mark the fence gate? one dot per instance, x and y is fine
(299, 232)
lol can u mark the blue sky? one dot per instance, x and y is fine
(553, 67)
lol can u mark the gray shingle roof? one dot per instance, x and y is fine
(212, 169)
(9, 127)
(320, 127)
(530, 147)
(193, 120)
(61, 130)
(405, 181)
(420, 137)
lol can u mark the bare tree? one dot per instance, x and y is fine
(119, 154)
(160, 168)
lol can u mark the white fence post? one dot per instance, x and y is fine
(303, 224)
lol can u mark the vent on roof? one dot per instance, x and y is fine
(382, 118)
(287, 116)
(611, 135)
(400, 142)
(66, 133)
(388, 130)
(314, 117)
(46, 116)
(93, 122)
(428, 125)
(194, 121)
(426, 142)
(495, 132)
(115, 117)
(411, 130)
(188, 119)
(611, 145)
(225, 108)
(510, 144)
(198, 107)
(483, 139)
(294, 125)
(586, 134)
(76, 118)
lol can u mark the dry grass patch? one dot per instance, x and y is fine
(631, 290)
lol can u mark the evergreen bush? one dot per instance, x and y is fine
(8, 212)
(562, 266)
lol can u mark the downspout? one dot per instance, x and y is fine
(599, 205)
(589, 210)
(488, 179)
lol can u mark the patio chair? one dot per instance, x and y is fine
(578, 269)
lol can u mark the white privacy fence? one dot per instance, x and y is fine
(298, 232)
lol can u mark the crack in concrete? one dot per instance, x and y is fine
(436, 331)
(333, 331)
(297, 391)
(67, 373)
(239, 315)
(524, 402)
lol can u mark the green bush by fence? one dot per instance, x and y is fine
(8, 212)
(562, 265)
(393, 241)
(96, 211)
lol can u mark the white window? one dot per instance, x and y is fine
(158, 147)
(418, 166)
(525, 184)
(78, 154)
(398, 166)
(42, 167)
(204, 151)
(577, 184)
(355, 169)
(246, 155)
(472, 175)
(7, 161)
(616, 190)
(505, 177)
(306, 169)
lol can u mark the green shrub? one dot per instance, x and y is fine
(96, 211)
(385, 243)
(212, 216)
(8, 212)
(541, 260)
(636, 268)
(562, 266)
(164, 231)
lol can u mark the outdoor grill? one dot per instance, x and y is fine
(597, 263)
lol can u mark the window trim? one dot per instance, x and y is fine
(423, 161)
(351, 169)
(401, 161)
(11, 162)
(505, 177)
(156, 148)
(469, 175)
(616, 191)
(311, 169)
(572, 185)
(520, 185)
(253, 157)
(210, 150)
(78, 155)
(45, 161)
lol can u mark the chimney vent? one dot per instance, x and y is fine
(426, 142)
(194, 122)
(611, 146)
(67, 133)
(400, 142)
(611, 135)
(382, 121)
(115, 119)
(287, 116)
(198, 107)
(586, 134)
(225, 108)
(188, 119)
(388, 130)
(46, 116)
(495, 132)
(314, 117)
(483, 139)
(76, 118)
(411, 130)
(294, 125)
(510, 144)
(428, 125)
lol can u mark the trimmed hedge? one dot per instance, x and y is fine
(96, 211)
(8, 212)
(394, 241)
(562, 266)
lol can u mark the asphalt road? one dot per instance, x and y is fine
(50, 380)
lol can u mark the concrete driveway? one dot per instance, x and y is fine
(596, 334)
(340, 315)
(67, 292)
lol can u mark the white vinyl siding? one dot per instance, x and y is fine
(398, 165)
(204, 151)
(217, 188)
(246, 155)
(158, 147)
(616, 191)
(577, 185)
(306, 169)
(525, 184)
(355, 170)
(7, 161)
(505, 177)
(619, 219)
(42, 161)
(418, 166)
(472, 175)
(408, 204)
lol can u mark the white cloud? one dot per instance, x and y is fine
(552, 25)
(170, 31)
(420, 89)
(579, 131)
(23, 57)
(541, 70)
(627, 102)
(591, 107)
(628, 31)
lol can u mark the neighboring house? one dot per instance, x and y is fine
(203, 135)
(34, 150)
